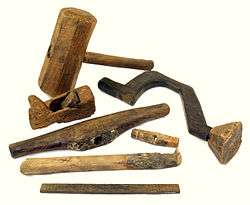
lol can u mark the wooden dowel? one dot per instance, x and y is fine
(116, 61)
(111, 188)
(36, 166)
(155, 138)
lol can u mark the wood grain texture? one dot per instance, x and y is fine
(68, 46)
(91, 133)
(225, 141)
(73, 105)
(155, 138)
(67, 51)
(117, 61)
(37, 166)
(111, 188)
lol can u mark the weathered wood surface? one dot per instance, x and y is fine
(155, 138)
(117, 61)
(36, 166)
(130, 93)
(68, 45)
(225, 141)
(73, 105)
(67, 51)
(111, 188)
(196, 122)
(91, 133)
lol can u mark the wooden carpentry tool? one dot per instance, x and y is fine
(224, 140)
(155, 138)
(91, 133)
(110, 188)
(36, 166)
(73, 105)
(67, 51)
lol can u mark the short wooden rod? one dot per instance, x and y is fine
(155, 138)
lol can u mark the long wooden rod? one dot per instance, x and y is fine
(111, 188)
(37, 166)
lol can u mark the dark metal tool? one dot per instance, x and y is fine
(224, 140)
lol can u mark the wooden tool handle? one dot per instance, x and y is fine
(91, 133)
(111, 188)
(116, 61)
(36, 166)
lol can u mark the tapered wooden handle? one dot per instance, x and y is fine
(36, 166)
(91, 133)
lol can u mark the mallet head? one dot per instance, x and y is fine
(67, 49)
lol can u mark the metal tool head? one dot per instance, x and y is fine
(225, 140)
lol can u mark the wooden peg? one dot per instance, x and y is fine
(155, 138)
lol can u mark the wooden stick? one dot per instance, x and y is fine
(36, 166)
(91, 133)
(155, 138)
(117, 61)
(111, 188)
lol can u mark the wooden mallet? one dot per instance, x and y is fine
(67, 51)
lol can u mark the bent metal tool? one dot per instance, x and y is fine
(73, 105)
(140, 161)
(91, 133)
(110, 188)
(67, 51)
(224, 140)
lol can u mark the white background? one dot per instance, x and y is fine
(205, 44)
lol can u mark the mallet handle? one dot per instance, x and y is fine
(117, 61)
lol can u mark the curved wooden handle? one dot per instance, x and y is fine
(130, 93)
